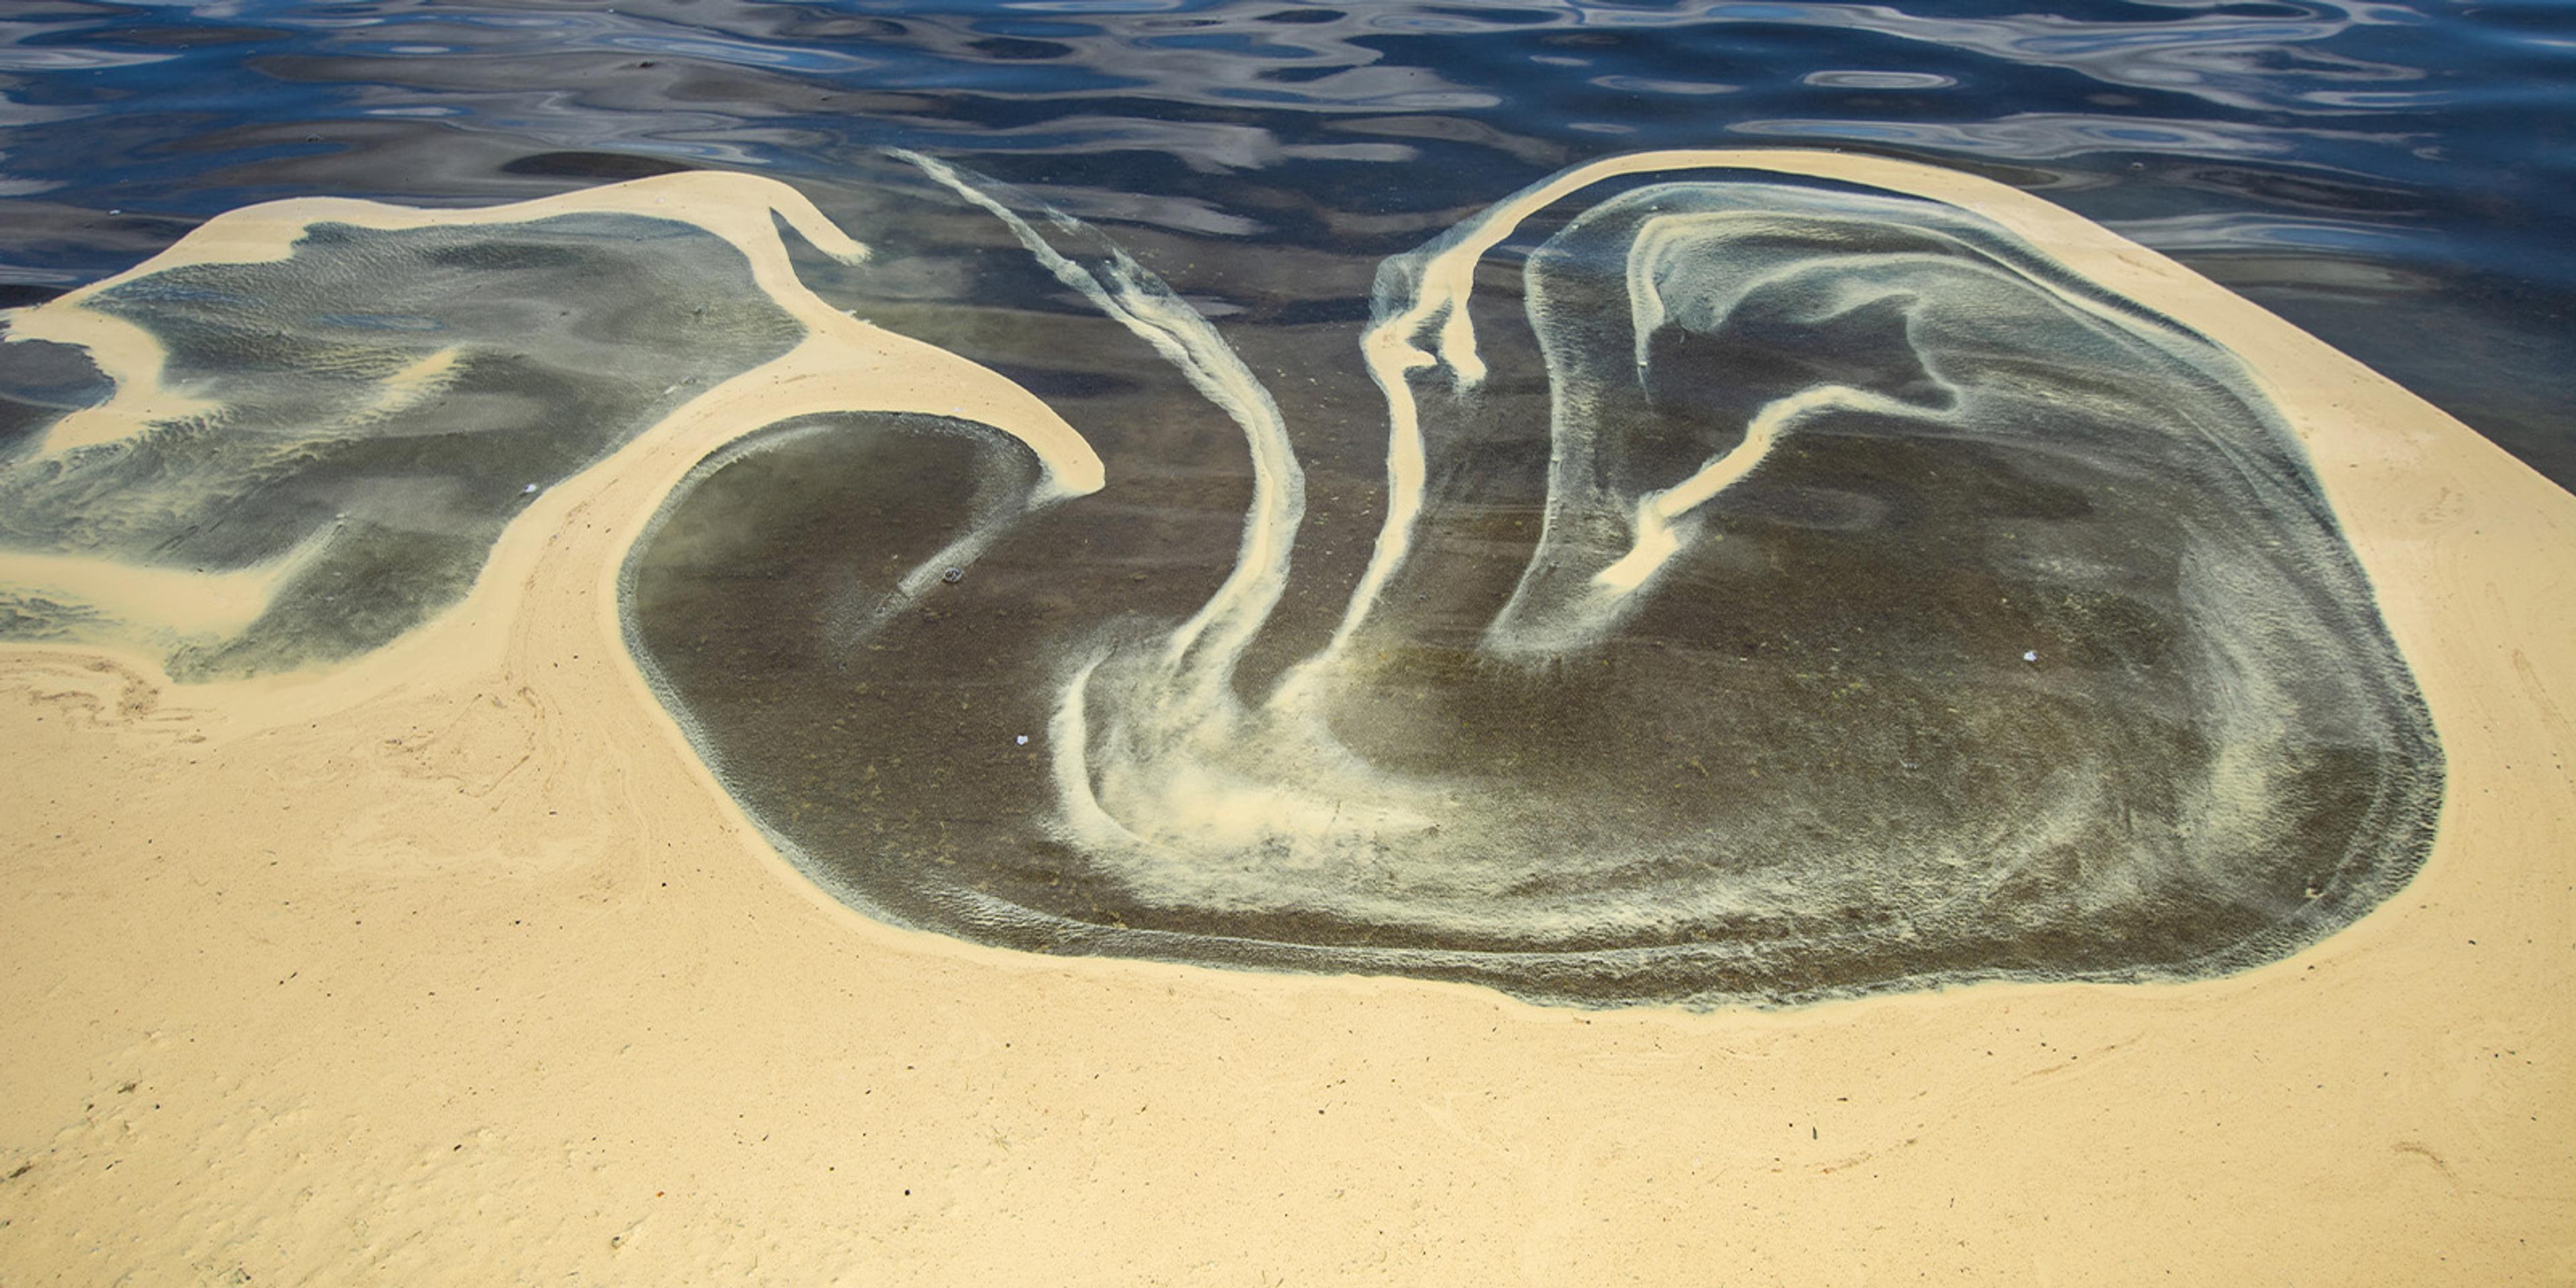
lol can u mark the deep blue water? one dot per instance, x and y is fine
(2396, 178)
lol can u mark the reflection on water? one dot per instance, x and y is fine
(2433, 138)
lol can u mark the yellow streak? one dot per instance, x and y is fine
(1655, 541)
(405, 389)
(162, 600)
(1186, 340)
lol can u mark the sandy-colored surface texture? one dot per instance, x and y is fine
(453, 964)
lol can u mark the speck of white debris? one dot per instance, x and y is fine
(2030, 657)
(529, 490)
(1023, 740)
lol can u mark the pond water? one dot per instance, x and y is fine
(2393, 178)
(1702, 581)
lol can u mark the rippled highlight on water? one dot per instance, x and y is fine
(2393, 178)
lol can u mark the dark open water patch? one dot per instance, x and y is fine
(1848, 597)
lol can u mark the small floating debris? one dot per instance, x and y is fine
(1022, 740)
(953, 576)
(529, 490)
(2030, 657)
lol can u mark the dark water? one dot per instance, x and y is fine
(2038, 656)
(2033, 657)
(2394, 178)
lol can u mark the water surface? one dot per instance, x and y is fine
(2391, 177)
(1797, 588)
